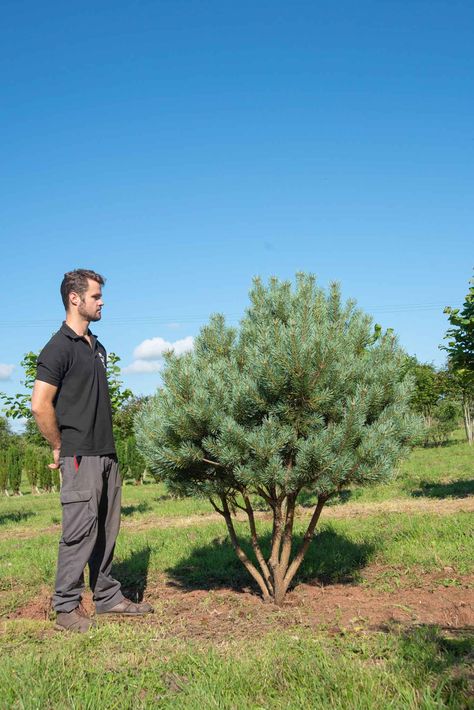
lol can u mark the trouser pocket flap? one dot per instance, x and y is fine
(75, 496)
(78, 515)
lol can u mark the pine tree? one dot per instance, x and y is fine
(460, 351)
(305, 397)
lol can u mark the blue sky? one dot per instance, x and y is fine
(180, 148)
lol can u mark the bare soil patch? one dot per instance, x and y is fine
(221, 614)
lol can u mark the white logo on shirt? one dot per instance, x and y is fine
(102, 359)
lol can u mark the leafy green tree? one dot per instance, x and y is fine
(427, 388)
(5, 432)
(3, 471)
(29, 463)
(124, 417)
(14, 468)
(118, 395)
(131, 461)
(433, 398)
(447, 415)
(305, 397)
(19, 405)
(45, 474)
(460, 351)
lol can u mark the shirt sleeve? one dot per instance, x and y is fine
(52, 365)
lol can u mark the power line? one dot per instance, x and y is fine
(187, 319)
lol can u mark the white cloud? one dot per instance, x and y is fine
(143, 366)
(6, 371)
(148, 356)
(154, 348)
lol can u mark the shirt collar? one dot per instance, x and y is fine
(72, 334)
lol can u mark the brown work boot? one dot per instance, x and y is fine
(74, 621)
(129, 608)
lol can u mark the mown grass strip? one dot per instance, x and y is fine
(131, 667)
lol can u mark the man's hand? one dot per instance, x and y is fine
(55, 463)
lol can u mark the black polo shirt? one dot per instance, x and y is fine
(82, 402)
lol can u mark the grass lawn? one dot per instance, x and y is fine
(213, 644)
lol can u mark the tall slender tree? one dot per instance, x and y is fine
(460, 349)
(305, 397)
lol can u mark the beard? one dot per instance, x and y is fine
(92, 317)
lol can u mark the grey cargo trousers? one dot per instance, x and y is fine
(90, 499)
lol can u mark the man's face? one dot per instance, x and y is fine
(90, 305)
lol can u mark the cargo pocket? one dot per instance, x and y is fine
(78, 515)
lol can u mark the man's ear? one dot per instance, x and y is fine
(74, 298)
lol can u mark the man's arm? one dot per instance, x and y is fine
(43, 411)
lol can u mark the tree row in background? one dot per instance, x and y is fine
(21, 462)
(26, 457)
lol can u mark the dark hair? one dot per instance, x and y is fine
(77, 281)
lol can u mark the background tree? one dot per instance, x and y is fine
(3, 471)
(29, 463)
(433, 398)
(427, 388)
(45, 474)
(306, 397)
(5, 432)
(118, 395)
(132, 464)
(14, 468)
(124, 417)
(460, 351)
(18, 406)
(447, 416)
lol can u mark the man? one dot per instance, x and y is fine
(71, 406)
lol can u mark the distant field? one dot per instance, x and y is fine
(380, 615)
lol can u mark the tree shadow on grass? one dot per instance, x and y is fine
(132, 573)
(138, 508)
(16, 517)
(331, 558)
(454, 489)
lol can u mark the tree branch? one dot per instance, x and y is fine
(308, 536)
(288, 532)
(276, 539)
(265, 496)
(215, 506)
(240, 553)
(255, 543)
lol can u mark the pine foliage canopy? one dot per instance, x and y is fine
(306, 396)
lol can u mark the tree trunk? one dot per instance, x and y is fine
(468, 423)
(275, 575)
(239, 552)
